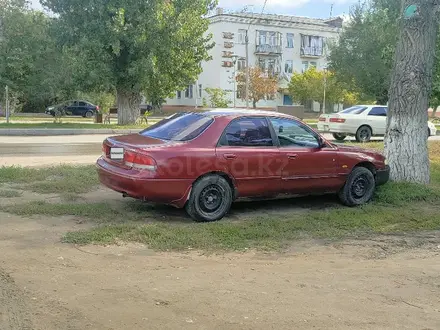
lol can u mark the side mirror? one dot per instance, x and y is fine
(321, 142)
(281, 129)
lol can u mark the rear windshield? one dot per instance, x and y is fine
(179, 127)
(356, 110)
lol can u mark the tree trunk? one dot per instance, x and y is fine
(128, 106)
(254, 104)
(406, 145)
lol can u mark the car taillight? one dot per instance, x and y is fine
(140, 161)
(105, 150)
(337, 120)
(321, 118)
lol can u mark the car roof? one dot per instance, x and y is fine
(218, 112)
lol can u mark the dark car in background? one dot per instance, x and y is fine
(74, 108)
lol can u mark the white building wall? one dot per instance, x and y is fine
(216, 76)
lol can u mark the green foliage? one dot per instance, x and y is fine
(309, 86)
(151, 47)
(30, 63)
(217, 97)
(364, 54)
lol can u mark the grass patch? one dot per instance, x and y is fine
(57, 179)
(265, 232)
(78, 125)
(10, 193)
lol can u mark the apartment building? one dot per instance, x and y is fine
(278, 44)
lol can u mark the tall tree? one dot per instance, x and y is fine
(30, 63)
(406, 139)
(135, 44)
(310, 84)
(365, 50)
(261, 85)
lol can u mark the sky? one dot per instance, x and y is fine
(310, 8)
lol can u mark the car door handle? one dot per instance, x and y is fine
(230, 156)
(291, 156)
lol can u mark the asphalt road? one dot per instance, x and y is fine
(54, 150)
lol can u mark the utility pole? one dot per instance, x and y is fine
(246, 40)
(325, 90)
(7, 104)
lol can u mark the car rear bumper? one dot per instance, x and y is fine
(335, 128)
(134, 184)
(382, 176)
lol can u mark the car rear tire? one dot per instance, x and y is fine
(88, 114)
(210, 199)
(364, 134)
(339, 137)
(359, 187)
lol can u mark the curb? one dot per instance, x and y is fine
(62, 131)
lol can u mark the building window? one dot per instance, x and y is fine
(262, 64)
(269, 38)
(241, 64)
(189, 92)
(289, 40)
(308, 65)
(312, 45)
(241, 36)
(179, 94)
(271, 66)
(288, 67)
(200, 90)
(305, 65)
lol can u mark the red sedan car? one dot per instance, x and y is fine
(205, 161)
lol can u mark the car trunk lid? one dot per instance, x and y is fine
(115, 148)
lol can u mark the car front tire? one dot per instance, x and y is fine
(364, 134)
(210, 199)
(339, 137)
(359, 187)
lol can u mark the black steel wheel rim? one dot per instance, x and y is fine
(211, 198)
(360, 186)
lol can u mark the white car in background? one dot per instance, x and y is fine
(361, 121)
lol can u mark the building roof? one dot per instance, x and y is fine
(269, 19)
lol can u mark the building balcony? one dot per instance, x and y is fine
(267, 49)
(312, 52)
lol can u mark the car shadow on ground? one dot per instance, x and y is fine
(240, 210)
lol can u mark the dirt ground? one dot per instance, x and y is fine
(382, 283)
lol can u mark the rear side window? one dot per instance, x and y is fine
(356, 110)
(179, 127)
(247, 132)
(378, 111)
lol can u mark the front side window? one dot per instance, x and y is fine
(378, 111)
(82, 104)
(179, 127)
(289, 40)
(247, 132)
(294, 134)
